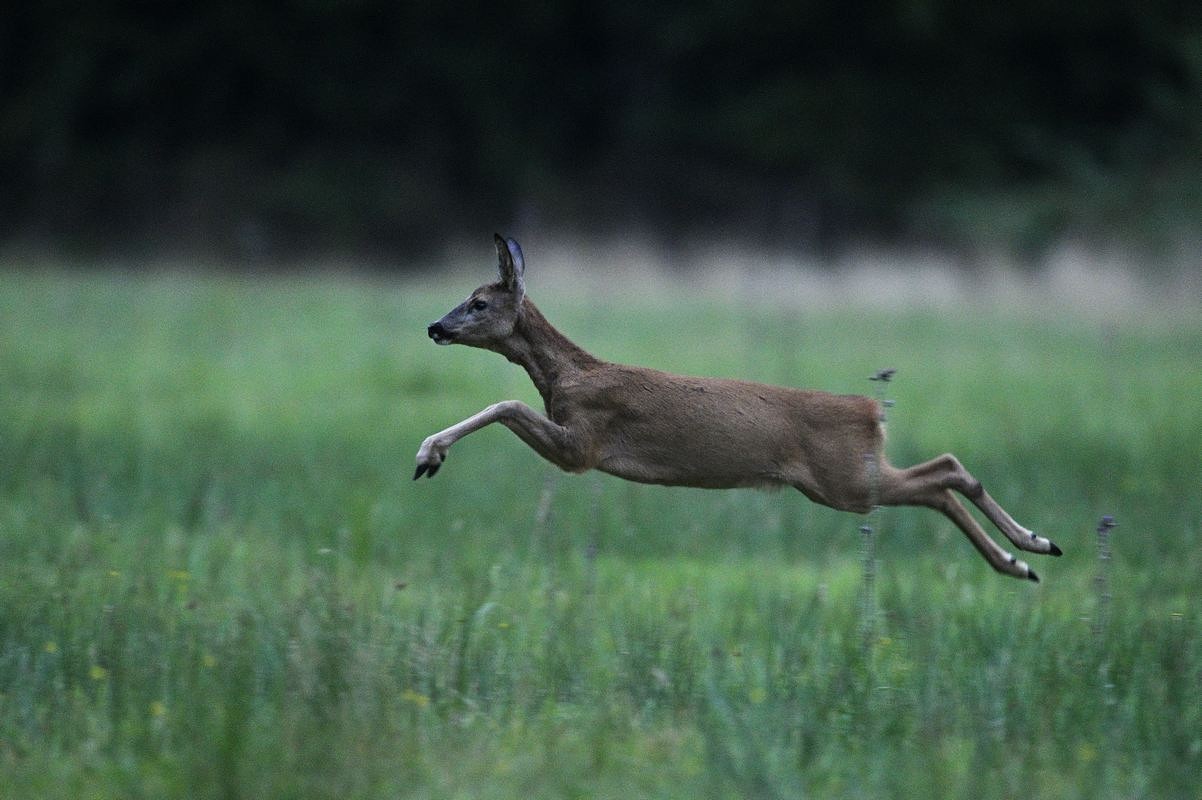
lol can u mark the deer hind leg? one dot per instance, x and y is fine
(931, 483)
(946, 472)
(998, 558)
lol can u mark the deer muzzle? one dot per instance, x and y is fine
(438, 333)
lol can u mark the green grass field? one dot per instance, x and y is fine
(217, 579)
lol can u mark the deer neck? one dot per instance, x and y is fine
(548, 356)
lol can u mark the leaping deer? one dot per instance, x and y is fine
(655, 427)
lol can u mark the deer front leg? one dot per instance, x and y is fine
(553, 442)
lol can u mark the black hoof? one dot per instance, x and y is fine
(1031, 576)
(1055, 551)
(426, 469)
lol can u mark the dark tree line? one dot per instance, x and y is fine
(368, 127)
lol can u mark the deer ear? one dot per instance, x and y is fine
(511, 265)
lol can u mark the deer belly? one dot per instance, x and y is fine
(704, 456)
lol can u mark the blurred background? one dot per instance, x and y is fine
(224, 227)
(274, 133)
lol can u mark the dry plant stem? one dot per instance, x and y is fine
(542, 512)
(1102, 579)
(867, 531)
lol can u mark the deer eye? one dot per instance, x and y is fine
(479, 305)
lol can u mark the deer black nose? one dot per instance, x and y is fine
(438, 333)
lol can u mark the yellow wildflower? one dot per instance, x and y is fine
(419, 700)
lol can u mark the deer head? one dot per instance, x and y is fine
(488, 315)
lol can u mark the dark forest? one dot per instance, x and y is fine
(291, 129)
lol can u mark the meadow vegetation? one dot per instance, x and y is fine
(217, 579)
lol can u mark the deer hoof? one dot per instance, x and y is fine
(1031, 576)
(426, 469)
(1055, 551)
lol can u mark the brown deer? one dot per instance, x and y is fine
(654, 427)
